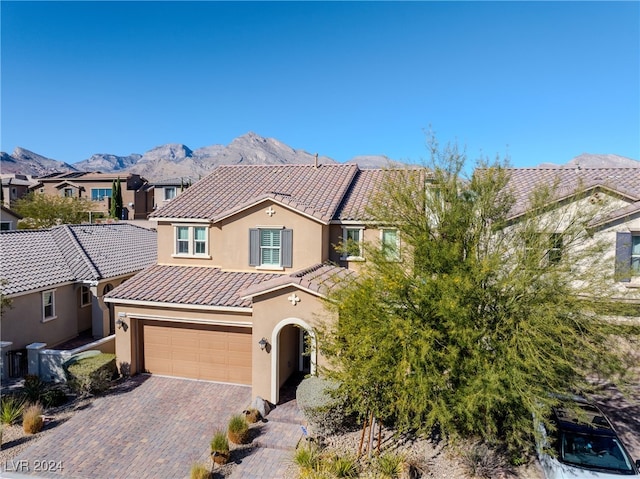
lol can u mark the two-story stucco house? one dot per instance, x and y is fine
(244, 259)
(56, 279)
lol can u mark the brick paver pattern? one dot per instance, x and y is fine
(157, 428)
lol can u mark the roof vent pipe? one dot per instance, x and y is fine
(315, 164)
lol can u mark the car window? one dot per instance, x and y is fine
(591, 451)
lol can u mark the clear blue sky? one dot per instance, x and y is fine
(539, 81)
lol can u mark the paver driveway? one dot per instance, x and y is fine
(155, 430)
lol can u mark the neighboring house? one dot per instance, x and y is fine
(166, 190)
(614, 191)
(137, 192)
(14, 187)
(245, 257)
(56, 279)
(8, 219)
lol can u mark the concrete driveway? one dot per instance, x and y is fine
(155, 428)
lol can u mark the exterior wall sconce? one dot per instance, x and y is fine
(121, 324)
(263, 343)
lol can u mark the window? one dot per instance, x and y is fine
(191, 241)
(99, 194)
(169, 193)
(390, 241)
(627, 263)
(554, 254)
(5, 225)
(271, 248)
(352, 243)
(635, 255)
(85, 296)
(48, 305)
(68, 192)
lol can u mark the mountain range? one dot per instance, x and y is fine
(174, 160)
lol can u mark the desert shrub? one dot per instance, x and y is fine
(53, 397)
(32, 421)
(91, 375)
(199, 471)
(33, 387)
(390, 465)
(482, 461)
(324, 413)
(11, 408)
(344, 466)
(238, 429)
(219, 442)
(307, 458)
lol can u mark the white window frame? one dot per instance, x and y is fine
(167, 196)
(100, 198)
(8, 228)
(272, 248)
(635, 272)
(52, 293)
(396, 257)
(84, 292)
(192, 241)
(345, 233)
(67, 192)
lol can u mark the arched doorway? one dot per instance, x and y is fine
(293, 352)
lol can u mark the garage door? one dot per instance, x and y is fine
(198, 351)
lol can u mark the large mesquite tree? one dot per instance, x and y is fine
(483, 319)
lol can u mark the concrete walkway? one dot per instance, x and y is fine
(156, 428)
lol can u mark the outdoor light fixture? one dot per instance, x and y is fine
(263, 343)
(121, 324)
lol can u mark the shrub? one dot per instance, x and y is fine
(32, 421)
(390, 465)
(238, 429)
(307, 458)
(53, 397)
(91, 374)
(10, 409)
(199, 471)
(324, 412)
(345, 466)
(33, 387)
(482, 461)
(220, 448)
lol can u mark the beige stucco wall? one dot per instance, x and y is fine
(229, 239)
(22, 324)
(269, 311)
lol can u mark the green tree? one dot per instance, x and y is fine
(44, 211)
(5, 303)
(480, 323)
(113, 213)
(118, 199)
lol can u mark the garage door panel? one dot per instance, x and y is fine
(198, 351)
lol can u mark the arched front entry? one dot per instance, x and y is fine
(288, 347)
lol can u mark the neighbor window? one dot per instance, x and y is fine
(191, 241)
(68, 192)
(390, 242)
(352, 239)
(48, 305)
(271, 247)
(85, 296)
(635, 255)
(554, 254)
(169, 192)
(5, 225)
(99, 194)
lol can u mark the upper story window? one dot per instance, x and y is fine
(191, 241)
(352, 239)
(48, 305)
(68, 192)
(169, 193)
(271, 248)
(390, 243)
(99, 194)
(5, 225)
(85, 296)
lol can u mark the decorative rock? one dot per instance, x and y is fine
(263, 407)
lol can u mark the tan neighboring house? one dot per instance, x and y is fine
(8, 219)
(14, 187)
(137, 192)
(245, 257)
(56, 280)
(169, 188)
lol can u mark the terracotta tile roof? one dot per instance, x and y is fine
(624, 181)
(366, 184)
(190, 285)
(230, 188)
(33, 259)
(319, 278)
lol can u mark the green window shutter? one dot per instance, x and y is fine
(287, 248)
(623, 257)
(254, 247)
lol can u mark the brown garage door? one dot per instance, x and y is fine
(214, 353)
